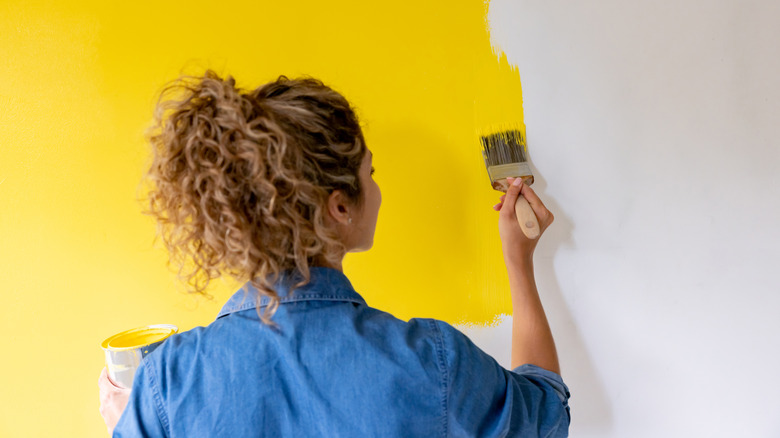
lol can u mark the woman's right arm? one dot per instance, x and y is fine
(532, 340)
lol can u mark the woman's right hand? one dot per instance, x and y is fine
(518, 247)
(113, 401)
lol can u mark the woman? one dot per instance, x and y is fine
(274, 186)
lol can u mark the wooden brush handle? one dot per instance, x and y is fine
(526, 218)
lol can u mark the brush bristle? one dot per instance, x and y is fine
(504, 147)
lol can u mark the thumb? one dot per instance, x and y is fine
(512, 193)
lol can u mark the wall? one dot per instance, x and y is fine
(653, 128)
(649, 128)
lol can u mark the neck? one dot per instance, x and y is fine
(321, 262)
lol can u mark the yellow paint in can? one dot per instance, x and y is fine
(138, 337)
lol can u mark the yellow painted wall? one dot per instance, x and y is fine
(78, 81)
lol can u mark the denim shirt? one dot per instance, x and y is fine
(334, 367)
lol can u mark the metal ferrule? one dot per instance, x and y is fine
(504, 171)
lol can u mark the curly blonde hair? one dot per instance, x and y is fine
(239, 180)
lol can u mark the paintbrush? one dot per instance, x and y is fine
(506, 156)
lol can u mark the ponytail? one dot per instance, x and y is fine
(239, 180)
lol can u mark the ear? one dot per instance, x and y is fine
(337, 207)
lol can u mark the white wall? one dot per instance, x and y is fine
(653, 129)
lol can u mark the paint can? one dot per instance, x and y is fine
(125, 350)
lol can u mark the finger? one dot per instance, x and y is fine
(106, 384)
(512, 193)
(497, 207)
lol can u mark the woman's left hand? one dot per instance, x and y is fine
(113, 400)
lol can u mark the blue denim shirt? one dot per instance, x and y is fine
(334, 367)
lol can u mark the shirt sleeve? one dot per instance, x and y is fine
(143, 416)
(485, 399)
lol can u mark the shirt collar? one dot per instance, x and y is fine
(327, 284)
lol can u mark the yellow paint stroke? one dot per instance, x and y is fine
(78, 80)
(422, 74)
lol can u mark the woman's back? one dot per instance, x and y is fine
(334, 367)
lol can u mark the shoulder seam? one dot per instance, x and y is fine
(440, 353)
(160, 410)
